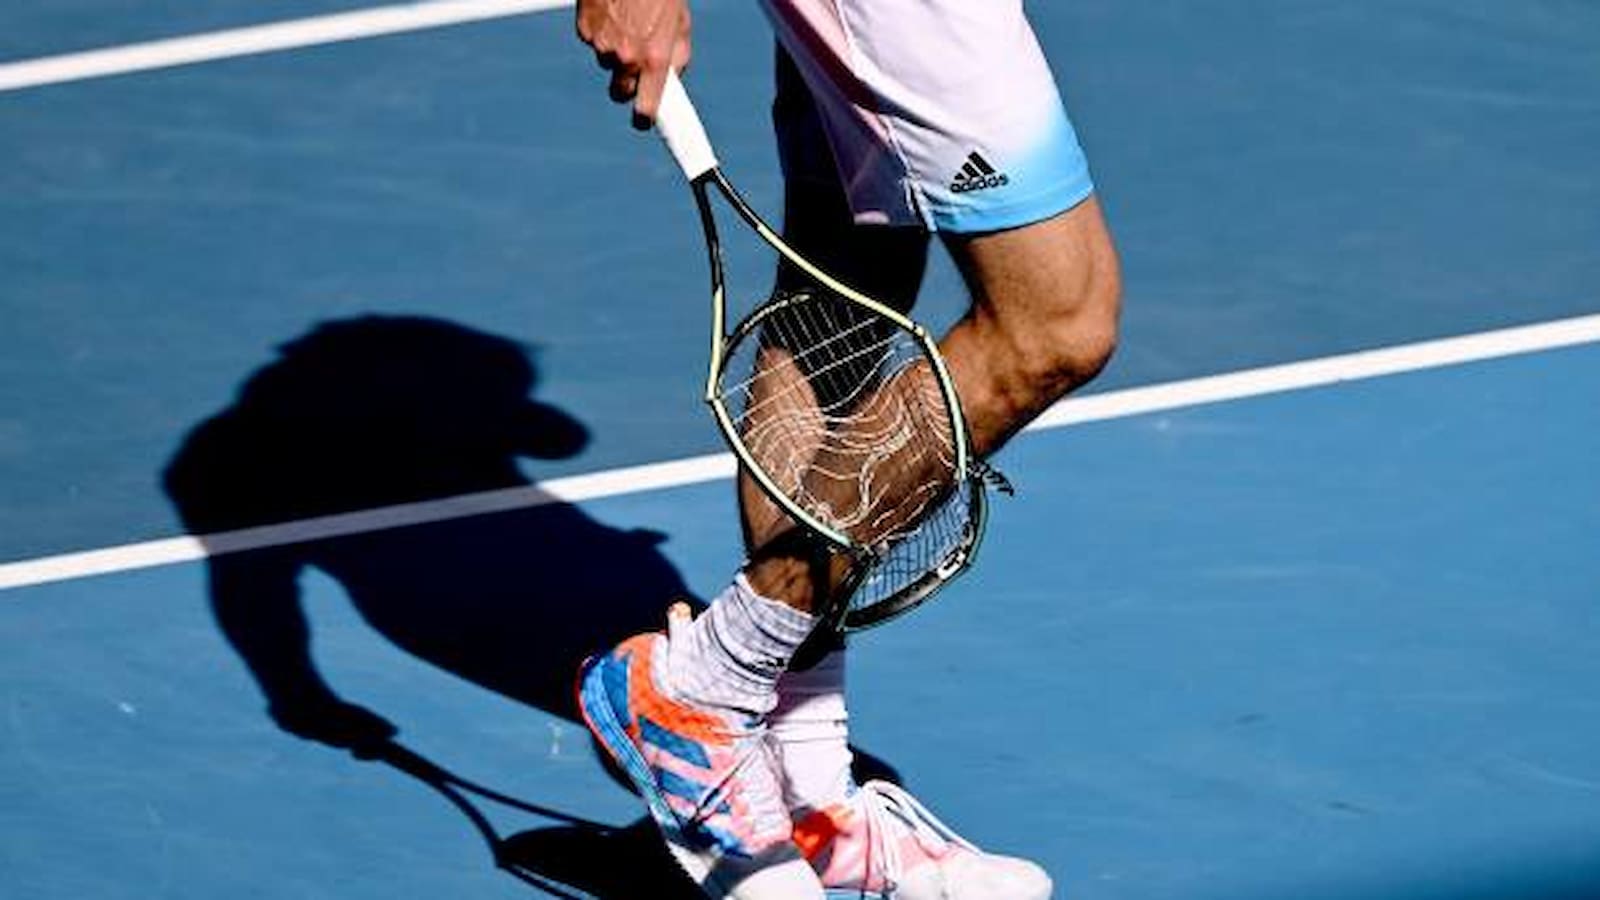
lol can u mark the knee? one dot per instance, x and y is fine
(1047, 300)
(1085, 335)
(1073, 335)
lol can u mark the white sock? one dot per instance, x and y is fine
(732, 655)
(810, 727)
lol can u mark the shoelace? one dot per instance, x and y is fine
(885, 799)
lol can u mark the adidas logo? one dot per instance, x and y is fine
(977, 175)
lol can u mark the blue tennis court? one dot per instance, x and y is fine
(1325, 637)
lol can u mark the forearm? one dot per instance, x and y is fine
(256, 601)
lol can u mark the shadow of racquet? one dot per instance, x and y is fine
(575, 859)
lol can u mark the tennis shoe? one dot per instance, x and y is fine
(882, 844)
(706, 775)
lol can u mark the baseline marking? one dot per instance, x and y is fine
(719, 466)
(257, 39)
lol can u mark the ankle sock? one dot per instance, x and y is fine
(810, 727)
(733, 654)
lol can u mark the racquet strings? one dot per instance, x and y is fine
(840, 409)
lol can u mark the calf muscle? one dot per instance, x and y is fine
(1045, 302)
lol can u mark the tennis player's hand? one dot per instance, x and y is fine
(637, 41)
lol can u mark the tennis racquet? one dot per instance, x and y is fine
(840, 410)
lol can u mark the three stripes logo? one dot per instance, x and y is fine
(977, 175)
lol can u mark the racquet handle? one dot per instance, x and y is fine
(679, 126)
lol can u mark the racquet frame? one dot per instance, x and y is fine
(680, 127)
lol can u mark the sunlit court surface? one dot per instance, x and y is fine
(385, 322)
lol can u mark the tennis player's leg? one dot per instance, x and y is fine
(1013, 201)
(685, 713)
(1043, 320)
(702, 694)
(885, 262)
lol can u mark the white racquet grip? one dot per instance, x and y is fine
(679, 125)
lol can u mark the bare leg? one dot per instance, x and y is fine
(885, 263)
(1045, 305)
(1043, 321)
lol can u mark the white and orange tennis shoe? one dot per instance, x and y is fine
(707, 775)
(882, 844)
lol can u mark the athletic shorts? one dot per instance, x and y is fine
(934, 113)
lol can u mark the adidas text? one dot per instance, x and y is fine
(976, 175)
(963, 185)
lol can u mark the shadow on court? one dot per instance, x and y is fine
(374, 411)
(380, 410)
(599, 860)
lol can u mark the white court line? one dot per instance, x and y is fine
(256, 39)
(1325, 371)
(719, 466)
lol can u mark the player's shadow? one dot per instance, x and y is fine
(372, 412)
(367, 413)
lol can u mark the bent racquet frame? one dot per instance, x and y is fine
(681, 129)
